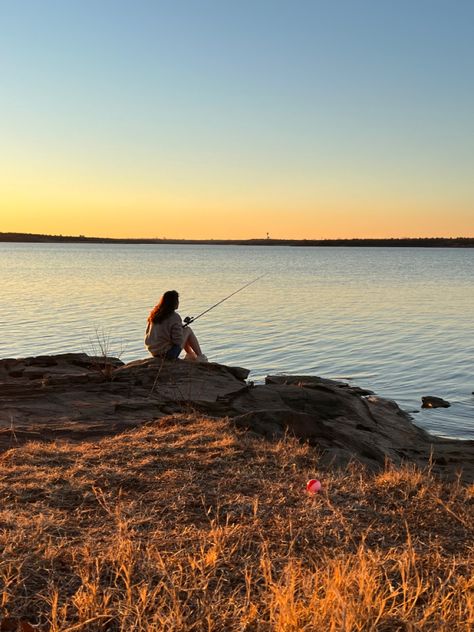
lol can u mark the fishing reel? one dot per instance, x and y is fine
(188, 320)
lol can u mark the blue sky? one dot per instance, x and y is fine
(295, 115)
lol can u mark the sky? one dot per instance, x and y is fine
(221, 119)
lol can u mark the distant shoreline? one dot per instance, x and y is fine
(420, 242)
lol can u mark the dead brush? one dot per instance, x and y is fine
(101, 351)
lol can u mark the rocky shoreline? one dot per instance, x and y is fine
(76, 397)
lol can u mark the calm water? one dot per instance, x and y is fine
(398, 321)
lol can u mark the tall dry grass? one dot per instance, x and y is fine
(189, 525)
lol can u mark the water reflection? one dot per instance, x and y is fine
(397, 321)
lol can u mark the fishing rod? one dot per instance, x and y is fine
(190, 319)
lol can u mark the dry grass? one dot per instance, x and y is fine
(189, 525)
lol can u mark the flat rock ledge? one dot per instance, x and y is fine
(76, 397)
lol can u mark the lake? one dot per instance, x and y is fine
(395, 320)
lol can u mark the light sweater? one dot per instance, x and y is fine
(160, 337)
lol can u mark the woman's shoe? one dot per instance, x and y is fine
(201, 358)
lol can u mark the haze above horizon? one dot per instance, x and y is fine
(201, 120)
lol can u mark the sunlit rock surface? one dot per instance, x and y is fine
(78, 397)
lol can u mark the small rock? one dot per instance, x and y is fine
(434, 402)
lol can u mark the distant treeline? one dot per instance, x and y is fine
(420, 242)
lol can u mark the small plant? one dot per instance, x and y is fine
(102, 353)
(13, 437)
(158, 373)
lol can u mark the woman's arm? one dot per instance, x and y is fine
(176, 331)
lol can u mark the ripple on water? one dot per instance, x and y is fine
(397, 321)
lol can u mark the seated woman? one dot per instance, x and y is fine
(165, 335)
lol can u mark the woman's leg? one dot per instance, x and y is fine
(173, 353)
(191, 344)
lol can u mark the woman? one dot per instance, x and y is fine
(165, 335)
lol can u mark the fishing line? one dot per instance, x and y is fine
(190, 319)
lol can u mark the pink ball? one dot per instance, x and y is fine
(313, 486)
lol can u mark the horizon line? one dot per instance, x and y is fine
(10, 236)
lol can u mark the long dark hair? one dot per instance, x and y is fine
(166, 306)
